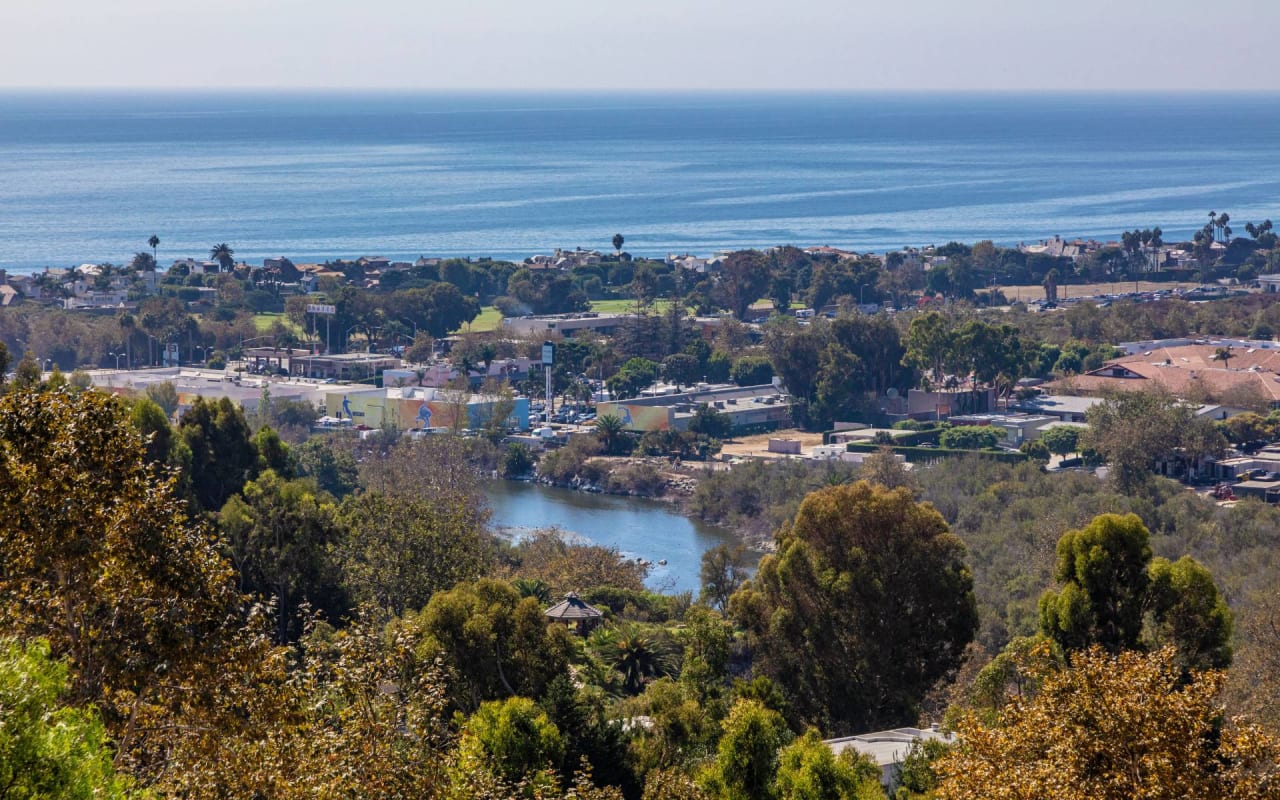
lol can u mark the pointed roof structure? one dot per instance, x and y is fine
(572, 609)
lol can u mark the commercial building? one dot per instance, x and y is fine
(566, 325)
(757, 408)
(420, 408)
(1233, 376)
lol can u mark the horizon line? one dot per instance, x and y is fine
(334, 89)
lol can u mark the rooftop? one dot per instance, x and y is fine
(887, 747)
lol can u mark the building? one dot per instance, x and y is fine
(419, 408)
(888, 749)
(564, 324)
(758, 408)
(1269, 283)
(1015, 428)
(1233, 376)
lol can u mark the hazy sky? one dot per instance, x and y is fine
(642, 44)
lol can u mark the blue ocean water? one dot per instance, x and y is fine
(89, 177)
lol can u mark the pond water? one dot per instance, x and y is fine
(639, 528)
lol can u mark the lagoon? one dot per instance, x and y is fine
(638, 527)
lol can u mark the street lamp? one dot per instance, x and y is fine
(117, 357)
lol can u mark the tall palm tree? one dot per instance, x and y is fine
(609, 430)
(154, 241)
(224, 255)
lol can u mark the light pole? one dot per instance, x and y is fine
(117, 357)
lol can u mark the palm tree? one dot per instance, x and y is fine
(617, 242)
(609, 430)
(1223, 354)
(224, 255)
(532, 587)
(634, 654)
(154, 241)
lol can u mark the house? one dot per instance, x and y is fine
(1269, 283)
(1235, 377)
(888, 749)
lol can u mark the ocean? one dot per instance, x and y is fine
(88, 177)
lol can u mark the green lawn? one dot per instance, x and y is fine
(264, 320)
(490, 319)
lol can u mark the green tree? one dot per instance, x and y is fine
(610, 430)
(752, 371)
(1062, 439)
(723, 572)
(333, 469)
(5, 361)
(1134, 430)
(399, 551)
(224, 255)
(1114, 595)
(808, 770)
(711, 422)
(492, 642)
(744, 279)
(154, 243)
(50, 750)
(223, 456)
(164, 395)
(865, 605)
(681, 369)
(634, 376)
(746, 763)
(970, 437)
(1186, 611)
(283, 539)
(1102, 569)
(515, 737)
(634, 653)
(156, 431)
(930, 344)
(617, 242)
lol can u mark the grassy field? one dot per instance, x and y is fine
(490, 319)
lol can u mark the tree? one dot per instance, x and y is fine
(808, 770)
(515, 737)
(1113, 727)
(746, 762)
(610, 430)
(154, 242)
(492, 642)
(223, 456)
(399, 551)
(929, 344)
(865, 605)
(744, 279)
(101, 560)
(617, 242)
(224, 255)
(283, 539)
(1115, 596)
(164, 395)
(1103, 572)
(634, 376)
(681, 369)
(1062, 439)
(723, 572)
(970, 437)
(711, 422)
(5, 361)
(48, 749)
(634, 654)
(1134, 430)
(752, 371)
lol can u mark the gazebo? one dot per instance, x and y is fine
(572, 611)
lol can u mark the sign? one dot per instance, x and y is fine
(316, 308)
(548, 353)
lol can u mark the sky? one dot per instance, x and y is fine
(818, 45)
